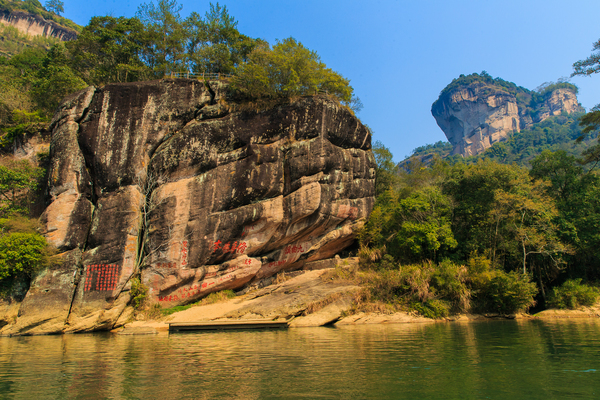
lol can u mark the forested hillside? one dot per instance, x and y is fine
(555, 133)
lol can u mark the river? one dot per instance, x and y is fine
(476, 360)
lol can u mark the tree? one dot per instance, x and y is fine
(55, 80)
(591, 120)
(56, 6)
(17, 180)
(215, 45)
(527, 215)
(288, 69)
(165, 48)
(109, 50)
(386, 172)
(21, 253)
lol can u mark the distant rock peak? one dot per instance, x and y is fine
(476, 111)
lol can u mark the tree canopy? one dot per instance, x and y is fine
(288, 69)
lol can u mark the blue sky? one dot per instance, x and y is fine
(400, 54)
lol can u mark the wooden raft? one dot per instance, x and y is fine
(222, 325)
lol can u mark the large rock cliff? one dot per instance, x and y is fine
(35, 25)
(166, 182)
(480, 112)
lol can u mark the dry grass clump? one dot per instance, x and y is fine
(216, 297)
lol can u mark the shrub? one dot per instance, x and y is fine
(22, 253)
(433, 308)
(573, 294)
(449, 282)
(508, 293)
(138, 293)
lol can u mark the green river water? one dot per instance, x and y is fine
(478, 360)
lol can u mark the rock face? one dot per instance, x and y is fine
(35, 25)
(165, 182)
(477, 115)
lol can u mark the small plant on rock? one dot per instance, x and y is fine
(139, 293)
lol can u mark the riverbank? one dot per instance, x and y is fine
(315, 298)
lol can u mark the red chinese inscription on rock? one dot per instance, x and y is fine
(101, 277)
(235, 248)
(295, 249)
(184, 253)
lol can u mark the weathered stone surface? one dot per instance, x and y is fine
(476, 116)
(166, 181)
(35, 25)
(281, 301)
(325, 316)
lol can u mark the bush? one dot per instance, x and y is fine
(508, 293)
(573, 294)
(138, 293)
(22, 253)
(433, 308)
(449, 282)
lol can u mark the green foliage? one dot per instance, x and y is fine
(55, 6)
(21, 253)
(173, 310)
(20, 124)
(386, 172)
(590, 65)
(215, 45)
(165, 49)
(576, 193)
(509, 293)
(440, 148)
(138, 293)
(109, 50)
(55, 80)
(553, 134)
(18, 181)
(590, 121)
(449, 282)
(13, 41)
(288, 69)
(573, 294)
(432, 308)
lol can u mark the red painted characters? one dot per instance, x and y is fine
(184, 253)
(101, 277)
(235, 248)
(293, 249)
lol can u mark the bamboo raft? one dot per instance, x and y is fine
(223, 325)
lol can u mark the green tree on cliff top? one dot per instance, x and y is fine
(214, 43)
(56, 6)
(288, 69)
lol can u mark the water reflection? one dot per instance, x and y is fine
(498, 360)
